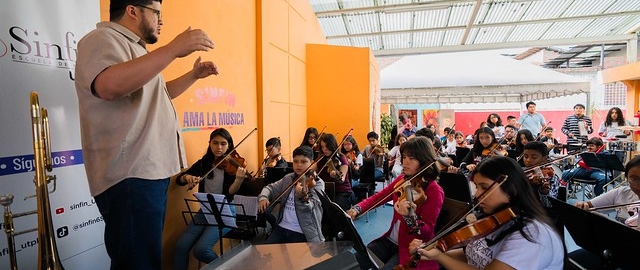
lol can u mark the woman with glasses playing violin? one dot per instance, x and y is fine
(392, 247)
(202, 238)
(526, 241)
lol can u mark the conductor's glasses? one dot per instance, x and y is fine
(155, 11)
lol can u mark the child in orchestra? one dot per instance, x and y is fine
(202, 238)
(485, 145)
(552, 143)
(522, 137)
(310, 137)
(395, 157)
(392, 246)
(544, 180)
(274, 158)
(351, 150)
(509, 138)
(513, 121)
(622, 195)
(375, 151)
(460, 141)
(449, 144)
(300, 215)
(495, 123)
(336, 170)
(582, 171)
(610, 128)
(527, 241)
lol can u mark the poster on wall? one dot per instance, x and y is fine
(441, 119)
(38, 50)
(413, 115)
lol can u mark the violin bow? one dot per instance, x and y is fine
(449, 226)
(537, 138)
(286, 189)
(612, 206)
(264, 164)
(335, 151)
(319, 136)
(400, 185)
(225, 157)
(575, 153)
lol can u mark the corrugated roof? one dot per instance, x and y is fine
(401, 27)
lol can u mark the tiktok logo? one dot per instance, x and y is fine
(62, 231)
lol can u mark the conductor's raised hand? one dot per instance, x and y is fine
(189, 41)
(204, 69)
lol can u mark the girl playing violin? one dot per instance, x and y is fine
(351, 150)
(528, 241)
(392, 246)
(310, 139)
(522, 137)
(202, 238)
(484, 146)
(337, 172)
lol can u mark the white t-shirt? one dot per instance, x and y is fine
(546, 252)
(289, 217)
(617, 196)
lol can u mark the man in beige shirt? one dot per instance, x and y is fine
(130, 135)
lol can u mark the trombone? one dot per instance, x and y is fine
(47, 250)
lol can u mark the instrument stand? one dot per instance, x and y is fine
(608, 162)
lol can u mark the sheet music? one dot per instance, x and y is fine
(250, 204)
(227, 216)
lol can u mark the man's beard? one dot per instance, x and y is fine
(147, 32)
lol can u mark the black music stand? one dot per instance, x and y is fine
(456, 186)
(608, 162)
(342, 228)
(209, 207)
(600, 236)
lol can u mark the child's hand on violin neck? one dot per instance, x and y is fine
(403, 206)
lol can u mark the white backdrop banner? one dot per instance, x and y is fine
(38, 49)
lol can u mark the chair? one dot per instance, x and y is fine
(461, 152)
(581, 185)
(367, 176)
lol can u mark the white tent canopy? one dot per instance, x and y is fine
(472, 77)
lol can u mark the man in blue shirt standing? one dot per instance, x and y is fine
(532, 120)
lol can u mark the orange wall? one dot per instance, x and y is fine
(287, 26)
(341, 89)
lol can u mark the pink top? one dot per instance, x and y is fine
(427, 212)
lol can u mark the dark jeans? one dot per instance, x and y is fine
(343, 199)
(133, 212)
(281, 235)
(385, 250)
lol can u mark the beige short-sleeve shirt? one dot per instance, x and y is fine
(134, 136)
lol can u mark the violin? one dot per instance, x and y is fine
(495, 149)
(231, 163)
(464, 235)
(333, 165)
(272, 161)
(405, 190)
(231, 166)
(308, 182)
(540, 175)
